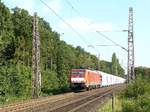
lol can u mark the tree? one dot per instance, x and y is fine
(23, 35)
(6, 35)
(116, 67)
(105, 66)
(114, 64)
(142, 71)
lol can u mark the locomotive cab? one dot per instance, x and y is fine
(78, 78)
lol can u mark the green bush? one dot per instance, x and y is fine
(139, 87)
(136, 97)
(143, 103)
(128, 106)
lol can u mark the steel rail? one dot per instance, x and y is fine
(70, 105)
(93, 100)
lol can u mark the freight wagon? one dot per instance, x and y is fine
(108, 79)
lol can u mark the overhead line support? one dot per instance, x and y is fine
(131, 72)
(36, 74)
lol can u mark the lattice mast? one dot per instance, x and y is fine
(131, 73)
(36, 74)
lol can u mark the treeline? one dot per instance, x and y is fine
(57, 57)
(142, 71)
(136, 97)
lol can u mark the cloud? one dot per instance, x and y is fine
(86, 24)
(106, 26)
(36, 6)
(54, 4)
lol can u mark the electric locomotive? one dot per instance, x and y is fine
(84, 78)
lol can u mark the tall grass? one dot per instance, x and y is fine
(108, 105)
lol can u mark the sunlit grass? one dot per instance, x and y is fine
(13, 99)
(108, 106)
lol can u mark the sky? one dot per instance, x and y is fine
(86, 17)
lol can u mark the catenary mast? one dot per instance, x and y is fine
(131, 73)
(36, 74)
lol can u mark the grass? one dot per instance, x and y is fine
(108, 106)
(10, 100)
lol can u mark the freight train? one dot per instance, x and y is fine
(88, 79)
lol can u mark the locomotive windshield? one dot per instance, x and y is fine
(78, 73)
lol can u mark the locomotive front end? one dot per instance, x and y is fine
(78, 78)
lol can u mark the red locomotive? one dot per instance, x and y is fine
(84, 78)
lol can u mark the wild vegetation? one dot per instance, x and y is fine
(57, 57)
(136, 97)
(107, 107)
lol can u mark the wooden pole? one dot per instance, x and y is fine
(113, 102)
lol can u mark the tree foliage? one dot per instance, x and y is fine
(142, 71)
(116, 68)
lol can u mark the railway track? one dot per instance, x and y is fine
(74, 105)
(33, 103)
(71, 102)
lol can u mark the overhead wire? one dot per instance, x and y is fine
(75, 10)
(100, 34)
(86, 42)
(81, 37)
(81, 17)
(111, 40)
(115, 44)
